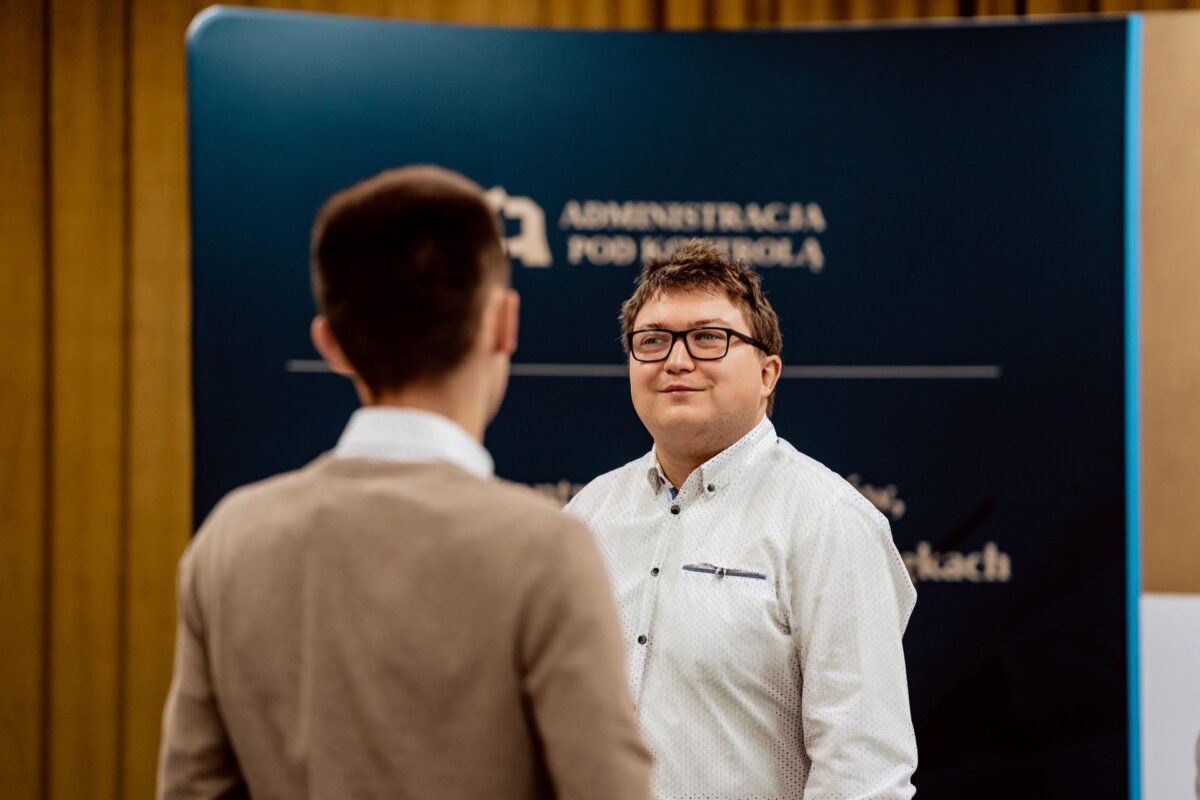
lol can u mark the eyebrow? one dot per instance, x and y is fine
(699, 323)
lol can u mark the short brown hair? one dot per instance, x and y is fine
(700, 264)
(399, 264)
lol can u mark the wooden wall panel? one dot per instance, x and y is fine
(684, 14)
(992, 8)
(423, 10)
(562, 14)
(159, 432)
(23, 376)
(734, 14)
(800, 12)
(633, 14)
(89, 390)
(1171, 303)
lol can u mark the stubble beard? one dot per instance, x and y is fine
(701, 439)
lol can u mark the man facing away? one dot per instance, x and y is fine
(762, 598)
(390, 621)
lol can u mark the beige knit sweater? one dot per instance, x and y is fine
(362, 629)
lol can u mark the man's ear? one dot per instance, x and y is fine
(772, 368)
(329, 348)
(507, 321)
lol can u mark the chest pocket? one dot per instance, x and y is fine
(724, 572)
(726, 620)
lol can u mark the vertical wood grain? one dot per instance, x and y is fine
(817, 11)
(684, 14)
(24, 370)
(995, 8)
(88, 397)
(633, 14)
(733, 14)
(424, 10)
(159, 434)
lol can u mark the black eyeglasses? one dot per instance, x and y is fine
(703, 344)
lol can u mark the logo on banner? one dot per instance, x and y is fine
(622, 233)
(529, 245)
(885, 498)
(924, 564)
(989, 565)
(773, 234)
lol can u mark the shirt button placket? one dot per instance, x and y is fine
(649, 613)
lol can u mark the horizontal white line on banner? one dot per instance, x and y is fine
(306, 365)
(570, 370)
(953, 372)
(831, 372)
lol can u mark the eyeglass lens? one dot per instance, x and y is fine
(701, 343)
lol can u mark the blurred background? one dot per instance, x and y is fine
(95, 428)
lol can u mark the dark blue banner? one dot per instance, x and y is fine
(939, 217)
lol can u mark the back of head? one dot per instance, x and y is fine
(400, 265)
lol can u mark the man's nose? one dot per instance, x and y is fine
(678, 358)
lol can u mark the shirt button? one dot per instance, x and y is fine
(642, 639)
(674, 509)
(712, 487)
(654, 571)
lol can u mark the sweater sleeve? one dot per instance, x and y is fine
(573, 658)
(196, 759)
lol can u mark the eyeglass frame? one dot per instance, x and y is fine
(677, 335)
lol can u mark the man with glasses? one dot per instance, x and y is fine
(762, 599)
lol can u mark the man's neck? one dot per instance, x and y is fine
(678, 464)
(678, 468)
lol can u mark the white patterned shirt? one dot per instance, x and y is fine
(763, 610)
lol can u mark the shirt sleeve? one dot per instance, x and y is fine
(574, 675)
(196, 759)
(851, 598)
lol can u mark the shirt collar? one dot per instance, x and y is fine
(407, 435)
(719, 470)
(654, 473)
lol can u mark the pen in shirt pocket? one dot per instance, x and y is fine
(723, 572)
